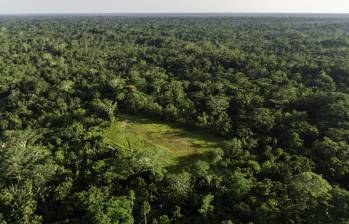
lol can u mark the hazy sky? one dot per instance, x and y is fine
(148, 6)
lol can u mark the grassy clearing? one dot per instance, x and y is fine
(168, 143)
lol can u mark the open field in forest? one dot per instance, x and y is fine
(170, 143)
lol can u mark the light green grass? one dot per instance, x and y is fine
(169, 144)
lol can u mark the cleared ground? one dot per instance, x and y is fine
(168, 144)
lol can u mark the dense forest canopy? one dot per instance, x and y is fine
(275, 89)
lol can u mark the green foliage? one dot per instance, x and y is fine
(105, 209)
(311, 185)
(206, 207)
(268, 95)
(21, 160)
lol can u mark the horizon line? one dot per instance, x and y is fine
(166, 13)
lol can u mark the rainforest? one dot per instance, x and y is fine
(181, 119)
